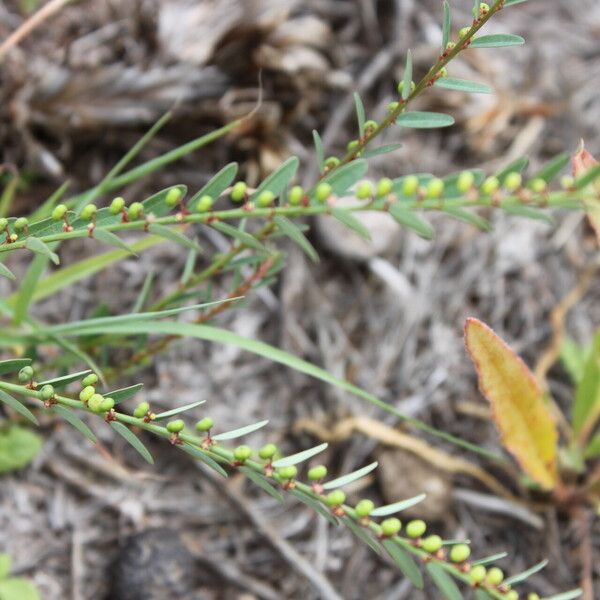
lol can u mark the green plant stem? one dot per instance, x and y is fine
(225, 456)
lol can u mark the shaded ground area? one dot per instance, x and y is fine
(77, 95)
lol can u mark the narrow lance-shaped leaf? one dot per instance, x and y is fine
(241, 236)
(424, 120)
(17, 406)
(237, 433)
(133, 440)
(409, 219)
(396, 507)
(124, 393)
(314, 505)
(463, 85)
(6, 272)
(525, 423)
(176, 411)
(385, 149)
(490, 559)
(262, 483)
(586, 409)
(519, 577)
(109, 238)
(447, 25)
(291, 230)
(204, 457)
(216, 185)
(278, 181)
(443, 582)
(75, 421)
(36, 245)
(319, 153)
(362, 534)
(346, 176)
(174, 236)
(550, 170)
(14, 364)
(349, 220)
(295, 459)
(497, 40)
(565, 595)
(360, 113)
(65, 380)
(404, 562)
(408, 75)
(350, 477)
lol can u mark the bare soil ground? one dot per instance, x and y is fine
(77, 94)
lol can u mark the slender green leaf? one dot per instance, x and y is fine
(65, 380)
(490, 559)
(319, 153)
(109, 238)
(409, 219)
(469, 217)
(124, 393)
(360, 114)
(315, 505)
(188, 269)
(299, 457)
(292, 231)
(216, 185)
(385, 149)
(240, 432)
(520, 577)
(278, 181)
(346, 176)
(17, 406)
(565, 596)
(593, 448)
(209, 461)
(443, 581)
(75, 421)
(463, 85)
(573, 358)
(517, 166)
(550, 170)
(14, 364)
(350, 477)
(349, 220)
(447, 25)
(262, 483)
(174, 236)
(133, 440)
(28, 286)
(497, 40)
(590, 176)
(508, 3)
(587, 394)
(396, 507)
(6, 272)
(36, 245)
(408, 75)
(424, 120)
(241, 236)
(176, 411)
(404, 562)
(527, 212)
(482, 595)
(362, 534)
(142, 297)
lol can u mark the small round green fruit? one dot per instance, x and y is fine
(59, 212)
(173, 197)
(323, 192)
(205, 424)
(242, 453)
(25, 374)
(460, 553)
(336, 498)
(175, 426)
(141, 410)
(238, 191)
(47, 392)
(117, 206)
(364, 508)
(416, 529)
(432, 544)
(317, 473)
(204, 204)
(268, 451)
(86, 393)
(91, 379)
(390, 527)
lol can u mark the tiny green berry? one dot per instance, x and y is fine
(90, 379)
(205, 424)
(460, 553)
(135, 211)
(352, 145)
(268, 451)
(416, 529)
(107, 404)
(513, 181)
(567, 182)
(384, 187)
(86, 393)
(242, 453)
(477, 574)
(238, 191)
(95, 402)
(175, 426)
(59, 212)
(443, 72)
(464, 32)
(13, 237)
(413, 87)
(465, 182)
(204, 204)
(25, 375)
(117, 205)
(265, 198)
(332, 162)
(88, 212)
(317, 473)
(141, 410)
(47, 392)
(450, 46)
(3, 224)
(20, 224)
(370, 126)
(538, 185)
(495, 576)
(390, 527)
(364, 508)
(364, 190)
(296, 195)
(533, 596)
(512, 595)
(484, 8)
(432, 543)
(323, 192)
(336, 498)
(410, 185)
(435, 188)
(490, 186)
(173, 197)
(392, 107)
(287, 473)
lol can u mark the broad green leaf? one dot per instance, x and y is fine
(350, 477)
(75, 421)
(174, 236)
(278, 181)
(360, 113)
(176, 411)
(133, 440)
(109, 238)
(409, 219)
(443, 581)
(17, 406)
(241, 236)
(385, 149)
(490, 559)
(469, 217)
(315, 505)
(497, 40)
(65, 380)
(424, 120)
(586, 409)
(520, 577)
(463, 85)
(362, 534)
(319, 153)
(408, 75)
(404, 561)
(18, 447)
(295, 459)
(346, 176)
(396, 507)
(518, 408)
(6, 272)
(14, 364)
(124, 393)
(446, 26)
(262, 482)
(349, 220)
(550, 170)
(291, 230)
(240, 432)
(209, 461)
(17, 588)
(527, 212)
(36, 245)
(216, 185)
